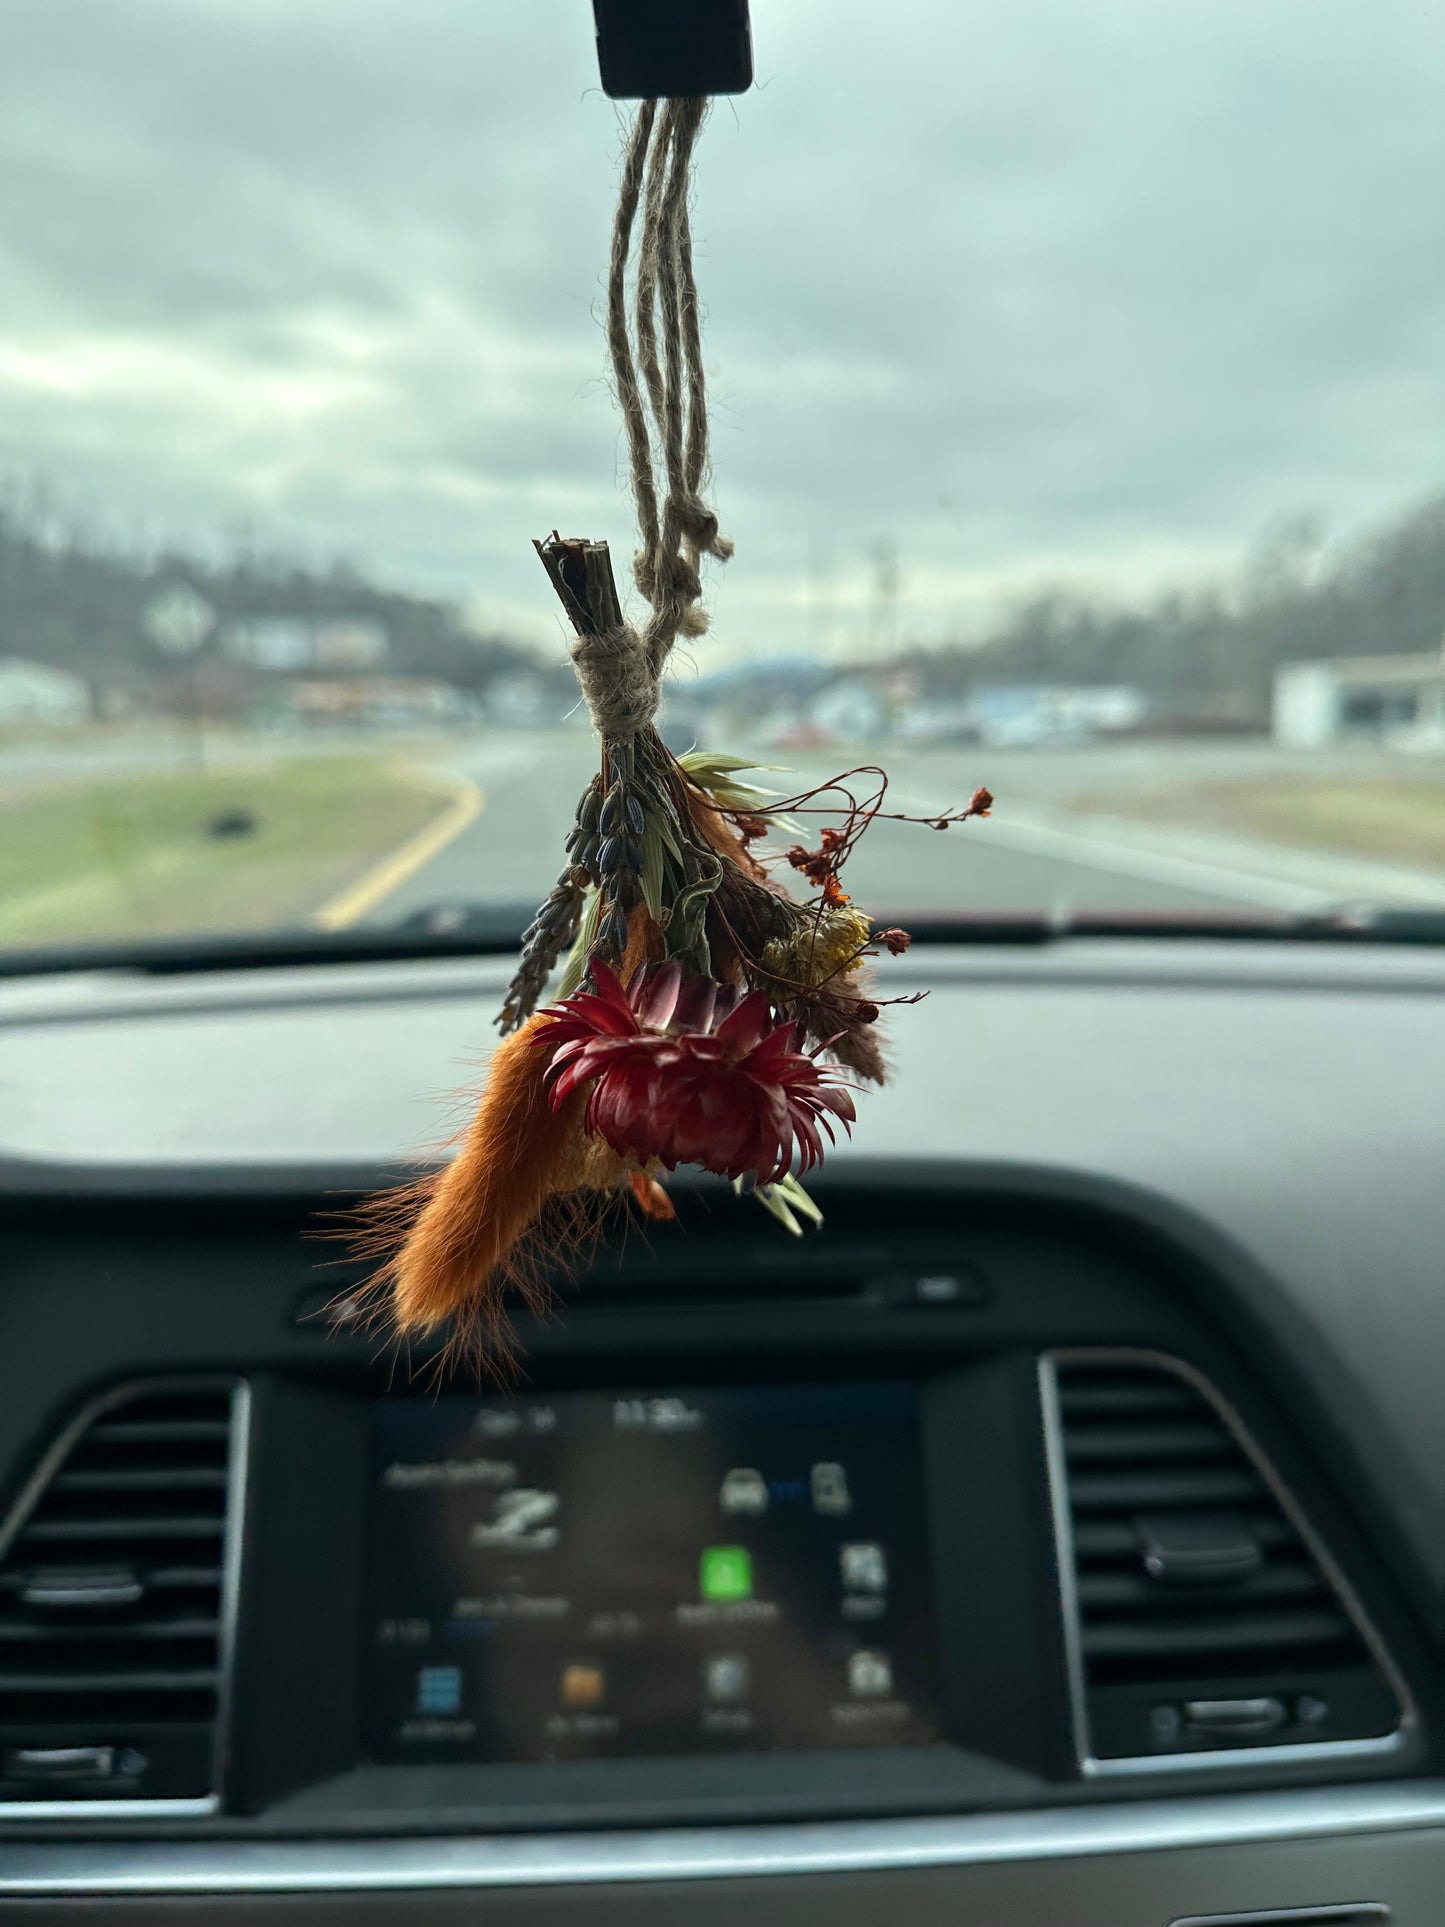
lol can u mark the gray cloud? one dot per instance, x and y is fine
(1038, 290)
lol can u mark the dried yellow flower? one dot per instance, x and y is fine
(820, 948)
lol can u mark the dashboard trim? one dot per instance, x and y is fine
(415, 1864)
(237, 1462)
(1219, 1758)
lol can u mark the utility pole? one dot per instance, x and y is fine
(820, 637)
(883, 624)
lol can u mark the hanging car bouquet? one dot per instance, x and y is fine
(704, 1016)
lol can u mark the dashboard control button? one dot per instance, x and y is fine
(1166, 1723)
(940, 1286)
(73, 1765)
(82, 1587)
(1236, 1716)
(1197, 1548)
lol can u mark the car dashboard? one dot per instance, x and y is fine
(1055, 1536)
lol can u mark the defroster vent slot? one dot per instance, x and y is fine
(1204, 1621)
(118, 1586)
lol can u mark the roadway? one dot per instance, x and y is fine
(1032, 853)
(1038, 851)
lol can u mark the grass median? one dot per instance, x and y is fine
(1398, 819)
(224, 847)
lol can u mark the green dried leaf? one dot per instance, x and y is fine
(770, 1197)
(712, 771)
(701, 763)
(798, 1198)
(652, 868)
(582, 947)
(741, 796)
(666, 831)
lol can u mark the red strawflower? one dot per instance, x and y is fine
(692, 1073)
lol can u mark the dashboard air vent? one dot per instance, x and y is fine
(1202, 1617)
(117, 1577)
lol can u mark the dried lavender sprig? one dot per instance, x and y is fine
(614, 853)
(556, 924)
(550, 932)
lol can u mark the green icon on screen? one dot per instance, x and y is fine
(725, 1572)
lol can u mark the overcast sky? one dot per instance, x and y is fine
(1038, 290)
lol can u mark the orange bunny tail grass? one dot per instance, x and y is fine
(520, 1192)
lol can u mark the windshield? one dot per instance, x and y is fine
(1076, 394)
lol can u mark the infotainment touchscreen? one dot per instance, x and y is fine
(649, 1572)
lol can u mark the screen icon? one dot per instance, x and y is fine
(439, 1691)
(725, 1572)
(726, 1678)
(830, 1490)
(864, 1567)
(582, 1685)
(870, 1675)
(744, 1490)
(522, 1521)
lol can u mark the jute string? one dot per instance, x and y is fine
(657, 366)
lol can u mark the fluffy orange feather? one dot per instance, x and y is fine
(525, 1175)
(517, 1153)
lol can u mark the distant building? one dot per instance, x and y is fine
(1387, 699)
(370, 702)
(849, 710)
(356, 643)
(32, 693)
(520, 700)
(282, 643)
(178, 619)
(937, 722)
(270, 642)
(1022, 714)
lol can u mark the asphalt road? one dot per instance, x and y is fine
(1024, 857)
(1037, 851)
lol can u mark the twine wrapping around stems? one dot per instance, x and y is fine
(621, 688)
(657, 366)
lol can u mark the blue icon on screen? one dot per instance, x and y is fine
(439, 1690)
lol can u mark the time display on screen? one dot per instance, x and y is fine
(599, 1574)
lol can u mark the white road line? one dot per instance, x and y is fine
(1269, 874)
(1095, 851)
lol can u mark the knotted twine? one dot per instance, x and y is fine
(620, 668)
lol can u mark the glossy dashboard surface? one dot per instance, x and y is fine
(1226, 1153)
(1285, 1098)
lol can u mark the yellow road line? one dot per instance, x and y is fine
(359, 899)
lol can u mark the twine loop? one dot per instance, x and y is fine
(657, 366)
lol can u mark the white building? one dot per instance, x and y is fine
(1398, 700)
(285, 643)
(520, 700)
(1022, 715)
(849, 711)
(31, 693)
